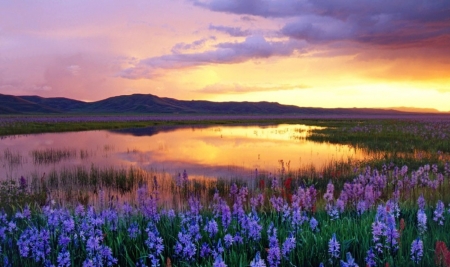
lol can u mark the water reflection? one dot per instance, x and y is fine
(204, 151)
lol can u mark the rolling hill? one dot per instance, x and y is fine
(151, 104)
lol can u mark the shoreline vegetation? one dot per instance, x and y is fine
(391, 209)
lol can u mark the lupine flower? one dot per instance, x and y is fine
(288, 246)
(421, 222)
(370, 259)
(350, 261)
(334, 247)
(133, 230)
(184, 248)
(218, 262)
(154, 244)
(205, 250)
(211, 228)
(228, 240)
(439, 213)
(257, 261)
(416, 250)
(63, 259)
(274, 255)
(421, 202)
(313, 223)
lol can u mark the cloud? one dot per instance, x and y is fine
(382, 23)
(261, 8)
(253, 47)
(177, 48)
(237, 88)
(232, 31)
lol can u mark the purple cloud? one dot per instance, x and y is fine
(232, 31)
(254, 47)
(384, 22)
(177, 48)
(261, 8)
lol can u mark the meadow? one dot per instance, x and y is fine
(390, 210)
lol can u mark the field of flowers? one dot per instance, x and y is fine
(388, 217)
(391, 210)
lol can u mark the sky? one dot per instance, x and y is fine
(309, 53)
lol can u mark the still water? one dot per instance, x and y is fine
(203, 151)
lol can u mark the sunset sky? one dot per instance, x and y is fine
(311, 53)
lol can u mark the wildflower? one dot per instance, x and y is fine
(211, 228)
(421, 222)
(288, 246)
(350, 261)
(329, 194)
(439, 213)
(218, 262)
(228, 240)
(313, 223)
(257, 261)
(421, 202)
(205, 250)
(370, 259)
(133, 230)
(441, 255)
(333, 247)
(274, 255)
(63, 259)
(184, 248)
(416, 250)
(154, 244)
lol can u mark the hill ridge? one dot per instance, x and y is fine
(152, 104)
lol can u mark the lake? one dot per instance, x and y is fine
(203, 151)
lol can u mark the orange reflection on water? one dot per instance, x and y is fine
(215, 151)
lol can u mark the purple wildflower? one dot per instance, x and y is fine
(416, 250)
(378, 228)
(421, 202)
(288, 246)
(439, 213)
(421, 222)
(350, 261)
(274, 253)
(370, 259)
(205, 250)
(218, 262)
(334, 247)
(133, 230)
(257, 261)
(314, 224)
(228, 240)
(211, 228)
(63, 259)
(184, 248)
(154, 244)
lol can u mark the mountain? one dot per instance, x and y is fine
(14, 104)
(147, 103)
(61, 104)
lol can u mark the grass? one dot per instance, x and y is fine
(184, 231)
(111, 222)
